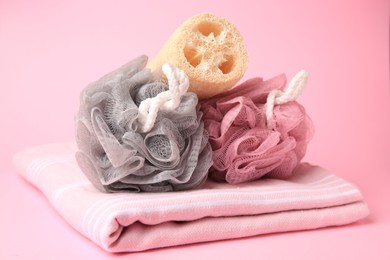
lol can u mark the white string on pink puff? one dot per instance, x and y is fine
(292, 92)
(165, 101)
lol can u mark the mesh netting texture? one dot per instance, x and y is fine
(246, 147)
(116, 156)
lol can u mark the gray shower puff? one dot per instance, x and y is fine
(116, 156)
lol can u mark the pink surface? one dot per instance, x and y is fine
(49, 50)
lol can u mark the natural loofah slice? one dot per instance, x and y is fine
(210, 50)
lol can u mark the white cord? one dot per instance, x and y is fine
(276, 96)
(168, 100)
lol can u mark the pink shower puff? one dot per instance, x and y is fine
(244, 148)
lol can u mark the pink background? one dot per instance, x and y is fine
(49, 50)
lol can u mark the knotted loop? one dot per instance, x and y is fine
(168, 100)
(292, 92)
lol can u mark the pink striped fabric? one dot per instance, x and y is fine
(126, 222)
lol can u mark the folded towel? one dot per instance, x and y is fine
(126, 222)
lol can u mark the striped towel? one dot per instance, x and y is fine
(126, 222)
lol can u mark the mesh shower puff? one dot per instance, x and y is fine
(116, 156)
(244, 148)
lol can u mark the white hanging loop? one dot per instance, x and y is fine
(292, 92)
(168, 100)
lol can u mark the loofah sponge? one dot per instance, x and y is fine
(210, 50)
